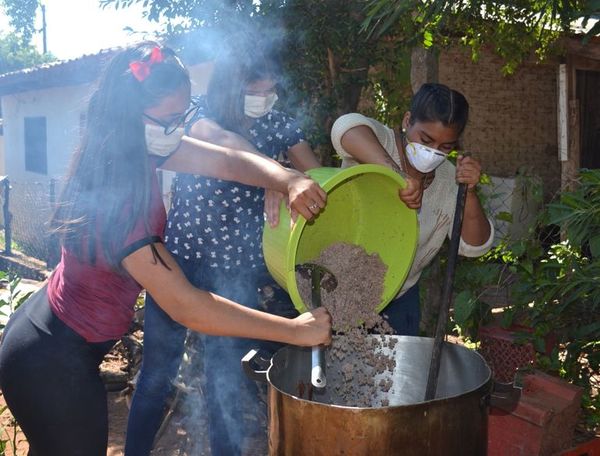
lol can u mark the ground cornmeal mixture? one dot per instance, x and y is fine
(359, 367)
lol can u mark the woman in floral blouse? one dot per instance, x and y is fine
(214, 230)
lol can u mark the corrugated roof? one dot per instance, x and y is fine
(80, 70)
(56, 74)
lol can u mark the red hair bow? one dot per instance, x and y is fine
(141, 69)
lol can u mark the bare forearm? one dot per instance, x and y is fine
(200, 157)
(302, 157)
(211, 314)
(362, 144)
(476, 227)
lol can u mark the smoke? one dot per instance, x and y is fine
(218, 403)
(237, 37)
(213, 389)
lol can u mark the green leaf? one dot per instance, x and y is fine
(427, 39)
(464, 304)
(595, 246)
(5, 310)
(518, 248)
(504, 216)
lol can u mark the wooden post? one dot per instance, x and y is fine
(53, 255)
(7, 218)
(423, 67)
(563, 113)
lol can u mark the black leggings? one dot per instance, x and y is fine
(50, 379)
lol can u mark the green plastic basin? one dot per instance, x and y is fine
(363, 208)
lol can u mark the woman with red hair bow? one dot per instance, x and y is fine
(111, 219)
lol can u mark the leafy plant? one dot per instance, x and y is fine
(13, 244)
(14, 298)
(513, 30)
(556, 289)
(15, 54)
(475, 277)
(21, 15)
(560, 293)
(8, 434)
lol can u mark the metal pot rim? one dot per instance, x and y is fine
(486, 385)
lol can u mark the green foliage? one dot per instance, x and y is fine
(389, 85)
(13, 300)
(514, 30)
(13, 245)
(16, 54)
(565, 286)
(21, 14)
(578, 212)
(473, 278)
(555, 289)
(8, 434)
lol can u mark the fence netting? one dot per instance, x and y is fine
(511, 202)
(31, 205)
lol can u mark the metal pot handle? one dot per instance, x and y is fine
(251, 358)
(506, 396)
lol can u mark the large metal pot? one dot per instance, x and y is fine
(302, 422)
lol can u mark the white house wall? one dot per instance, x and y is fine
(62, 107)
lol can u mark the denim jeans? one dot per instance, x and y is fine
(229, 395)
(404, 313)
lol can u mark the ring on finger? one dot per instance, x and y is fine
(313, 206)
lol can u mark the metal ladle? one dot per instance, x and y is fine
(320, 277)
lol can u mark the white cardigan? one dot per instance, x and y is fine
(439, 199)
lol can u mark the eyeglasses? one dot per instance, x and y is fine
(173, 125)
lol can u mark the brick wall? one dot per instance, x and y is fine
(512, 120)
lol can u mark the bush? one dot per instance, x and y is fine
(12, 301)
(556, 289)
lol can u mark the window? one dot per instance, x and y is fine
(36, 159)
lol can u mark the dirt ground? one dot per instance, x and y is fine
(172, 442)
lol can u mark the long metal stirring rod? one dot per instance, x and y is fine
(440, 331)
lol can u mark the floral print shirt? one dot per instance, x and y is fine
(221, 221)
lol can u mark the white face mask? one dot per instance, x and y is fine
(160, 144)
(256, 106)
(423, 158)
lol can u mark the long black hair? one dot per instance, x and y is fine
(234, 69)
(440, 103)
(109, 182)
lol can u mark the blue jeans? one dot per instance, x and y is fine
(404, 313)
(228, 393)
